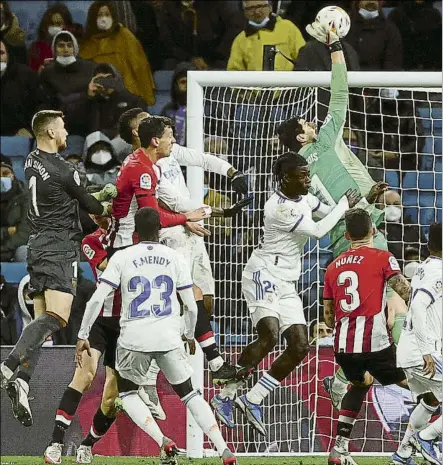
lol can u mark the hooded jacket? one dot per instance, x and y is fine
(61, 85)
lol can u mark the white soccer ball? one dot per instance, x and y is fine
(335, 17)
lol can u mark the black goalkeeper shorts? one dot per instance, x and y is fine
(103, 337)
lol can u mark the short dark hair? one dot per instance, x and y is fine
(147, 224)
(285, 163)
(358, 223)
(288, 131)
(65, 36)
(125, 121)
(435, 239)
(154, 126)
(103, 68)
(42, 119)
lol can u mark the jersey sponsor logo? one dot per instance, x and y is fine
(394, 264)
(89, 253)
(77, 178)
(312, 158)
(285, 211)
(145, 181)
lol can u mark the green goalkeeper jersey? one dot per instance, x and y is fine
(334, 168)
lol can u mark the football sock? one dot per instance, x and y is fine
(340, 383)
(433, 431)
(264, 386)
(152, 375)
(140, 414)
(205, 337)
(100, 425)
(230, 389)
(65, 414)
(32, 338)
(26, 369)
(205, 419)
(419, 418)
(398, 326)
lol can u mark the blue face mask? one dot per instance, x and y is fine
(259, 25)
(368, 14)
(6, 184)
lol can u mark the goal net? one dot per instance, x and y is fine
(396, 131)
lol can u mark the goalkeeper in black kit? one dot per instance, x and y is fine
(55, 194)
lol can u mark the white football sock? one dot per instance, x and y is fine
(230, 389)
(204, 417)
(7, 372)
(24, 385)
(341, 444)
(340, 383)
(140, 414)
(433, 431)
(152, 375)
(216, 363)
(265, 385)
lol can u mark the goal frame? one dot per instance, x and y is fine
(197, 80)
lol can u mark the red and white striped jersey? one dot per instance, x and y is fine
(95, 253)
(356, 281)
(136, 184)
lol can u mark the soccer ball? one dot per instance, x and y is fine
(335, 17)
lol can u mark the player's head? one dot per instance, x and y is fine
(296, 132)
(49, 128)
(358, 225)
(291, 174)
(101, 221)
(128, 125)
(147, 224)
(434, 242)
(157, 132)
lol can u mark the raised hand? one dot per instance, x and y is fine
(239, 183)
(353, 197)
(376, 191)
(327, 36)
(237, 207)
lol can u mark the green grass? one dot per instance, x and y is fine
(183, 461)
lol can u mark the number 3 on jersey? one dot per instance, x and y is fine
(163, 309)
(350, 280)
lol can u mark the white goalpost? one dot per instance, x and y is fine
(397, 134)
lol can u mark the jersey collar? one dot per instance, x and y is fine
(283, 196)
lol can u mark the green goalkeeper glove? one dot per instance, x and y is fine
(107, 193)
(107, 209)
(327, 36)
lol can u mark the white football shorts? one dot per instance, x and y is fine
(134, 365)
(267, 296)
(193, 249)
(420, 384)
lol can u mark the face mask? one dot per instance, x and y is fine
(368, 14)
(5, 185)
(104, 23)
(410, 269)
(101, 157)
(66, 61)
(259, 25)
(3, 66)
(29, 302)
(392, 213)
(54, 30)
(389, 93)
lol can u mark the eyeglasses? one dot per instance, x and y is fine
(255, 7)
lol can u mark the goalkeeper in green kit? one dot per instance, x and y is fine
(334, 170)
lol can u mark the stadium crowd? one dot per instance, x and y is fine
(94, 65)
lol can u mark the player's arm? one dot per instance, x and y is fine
(319, 209)
(420, 303)
(400, 285)
(95, 254)
(328, 301)
(190, 306)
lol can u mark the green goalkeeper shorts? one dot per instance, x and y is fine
(342, 245)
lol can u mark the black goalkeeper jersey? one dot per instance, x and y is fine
(55, 192)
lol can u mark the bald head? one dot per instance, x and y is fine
(389, 198)
(256, 10)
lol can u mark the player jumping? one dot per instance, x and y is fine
(335, 169)
(269, 285)
(419, 354)
(354, 305)
(53, 251)
(149, 275)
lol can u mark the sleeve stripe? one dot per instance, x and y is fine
(427, 292)
(328, 298)
(296, 224)
(317, 207)
(144, 195)
(108, 282)
(181, 288)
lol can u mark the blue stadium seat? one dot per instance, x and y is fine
(427, 199)
(325, 242)
(410, 198)
(162, 98)
(438, 163)
(427, 181)
(15, 146)
(18, 165)
(412, 212)
(79, 16)
(410, 180)
(392, 178)
(163, 80)
(427, 216)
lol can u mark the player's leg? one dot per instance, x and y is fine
(424, 441)
(148, 392)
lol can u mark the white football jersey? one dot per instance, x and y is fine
(427, 279)
(149, 275)
(281, 246)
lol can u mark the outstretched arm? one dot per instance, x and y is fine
(401, 286)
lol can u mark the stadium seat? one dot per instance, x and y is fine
(325, 242)
(18, 165)
(15, 146)
(392, 178)
(438, 165)
(427, 199)
(79, 16)
(410, 198)
(410, 180)
(29, 14)
(426, 181)
(162, 98)
(427, 216)
(163, 80)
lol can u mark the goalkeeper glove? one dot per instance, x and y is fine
(239, 183)
(107, 209)
(327, 36)
(107, 193)
(237, 207)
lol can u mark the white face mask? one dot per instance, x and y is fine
(410, 269)
(3, 66)
(54, 30)
(368, 14)
(101, 157)
(66, 61)
(104, 23)
(389, 93)
(392, 213)
(259, 25)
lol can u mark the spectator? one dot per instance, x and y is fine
(322, 335)
(19, 86)
(176, 108)
(376, 39)
(419, 24)
(107, 41)
(12, 33)
(13, 218)
(101, 164)
(198, 31)
(64, 80)
(124, 14)
(55, 19)
(10, 321)
(264, 28)
(101, 104)
(77, 162)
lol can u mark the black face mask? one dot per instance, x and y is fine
(182, 97)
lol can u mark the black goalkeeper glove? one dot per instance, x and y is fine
(239, 183)
(237, 207)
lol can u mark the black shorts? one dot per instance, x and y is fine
(381, 365)
(110, 251)
(103, 337)
(53, 270)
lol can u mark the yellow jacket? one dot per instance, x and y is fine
(121, 49)
(247, 50)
